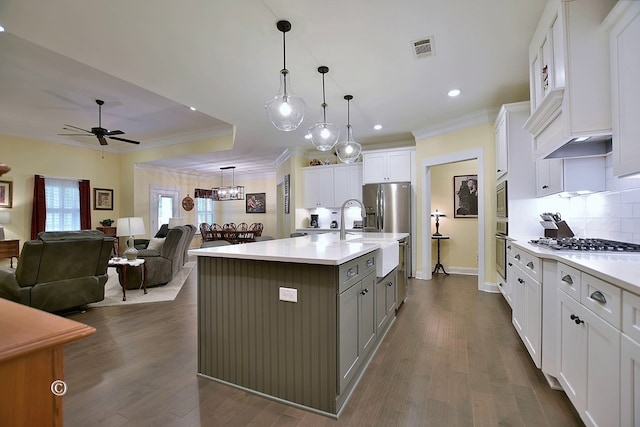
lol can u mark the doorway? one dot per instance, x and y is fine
(164, 204)
(427, 164)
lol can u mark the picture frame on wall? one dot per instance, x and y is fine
(287, 186)
(102, 199)
(6, 194)
(465, 196)
(256, 202)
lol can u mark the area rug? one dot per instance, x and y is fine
(168, 292)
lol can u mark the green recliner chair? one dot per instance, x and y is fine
(60, 270)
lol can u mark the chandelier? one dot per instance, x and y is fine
(348, 151)
(230, 192)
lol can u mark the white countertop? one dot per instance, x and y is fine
(325, 249)
(620, 269)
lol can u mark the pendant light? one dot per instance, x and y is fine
(230, 192)
(348, 151)
(324, 135)
(285, 110)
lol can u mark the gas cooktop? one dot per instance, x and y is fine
(586, 244)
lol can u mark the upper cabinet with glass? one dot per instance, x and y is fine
(569, 75)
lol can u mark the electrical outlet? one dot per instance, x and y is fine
(289, 294)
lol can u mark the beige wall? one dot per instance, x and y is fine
(131, 183)
(472, 138)
(28, 157)
(459, 252)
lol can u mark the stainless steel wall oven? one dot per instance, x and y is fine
(502, 229)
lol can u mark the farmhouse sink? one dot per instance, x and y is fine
(387, 256)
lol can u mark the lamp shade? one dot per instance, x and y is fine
(133, 226)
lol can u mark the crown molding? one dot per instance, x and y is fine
(487, 115)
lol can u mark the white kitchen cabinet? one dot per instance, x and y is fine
(347, 183)
(318, 187)
(624, 39)
(549, 177)
(569, 74)
(524, 279)
(387, 166)
(502, 144)
(580, 175)
(589, 355)
(385, 300)
(629, 382)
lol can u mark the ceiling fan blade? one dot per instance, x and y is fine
(114, 132)
(76, 127)
(125, 140)
(74, 134)
(102, 140)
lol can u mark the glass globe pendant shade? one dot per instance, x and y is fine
(285, 110)
(349, 150)
(324, 136)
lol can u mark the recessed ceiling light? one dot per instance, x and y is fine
(307, 136)
(377, 127)
(192, 108)
(1, 28)
(454, 92)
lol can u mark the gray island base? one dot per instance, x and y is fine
(309, 353)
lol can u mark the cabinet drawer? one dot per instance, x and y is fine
(569, 280)
(368, 264)
(529, 264)
(348, 274)
(631, 315)
(602, 298)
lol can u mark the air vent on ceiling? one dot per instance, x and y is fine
(423, 47)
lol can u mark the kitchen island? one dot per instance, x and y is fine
(296, 320)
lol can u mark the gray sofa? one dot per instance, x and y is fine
(59, 270)
(163, 264)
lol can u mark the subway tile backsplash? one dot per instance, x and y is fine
(613, 214)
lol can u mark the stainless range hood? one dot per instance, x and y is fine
(583, 147)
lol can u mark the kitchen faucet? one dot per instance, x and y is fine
(342, 231)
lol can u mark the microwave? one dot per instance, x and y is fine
(501, 200)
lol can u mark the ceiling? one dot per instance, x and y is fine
(151, 60)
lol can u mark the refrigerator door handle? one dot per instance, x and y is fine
(381, 216)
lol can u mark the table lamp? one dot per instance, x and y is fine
(5, 218)
(129, 227)
(437, 215)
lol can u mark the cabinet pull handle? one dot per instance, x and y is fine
(567, 279)
(544, 187)
(390, 284)
(520, 280)
(509, 247)
(369, 262)
(530, 265)
(598, 296)
(364, 291)
(517, 257)
(576, 319)
(351, 272)
(510, 265)
(499, 170)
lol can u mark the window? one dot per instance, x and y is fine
(204, 211)
(62, 198)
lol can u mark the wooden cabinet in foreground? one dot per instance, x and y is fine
(32, 364)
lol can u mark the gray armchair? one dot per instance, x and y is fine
(163, 264)
(60, 270)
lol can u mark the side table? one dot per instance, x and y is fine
(111, 232)
(10, 249)
(121, 264)
(439, 264)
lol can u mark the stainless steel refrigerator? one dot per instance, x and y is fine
(388, 210)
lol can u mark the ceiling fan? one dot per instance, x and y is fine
(99, 131)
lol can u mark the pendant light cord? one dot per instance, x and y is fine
(284, 62)
(324, 102)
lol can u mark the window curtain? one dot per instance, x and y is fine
(39, 210)
(85, 204)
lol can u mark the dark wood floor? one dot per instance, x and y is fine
(452, 358)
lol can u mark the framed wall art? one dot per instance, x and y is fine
(287, 187)
(465, 196)
(102, 199)
(256, 202)
(6, 194)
